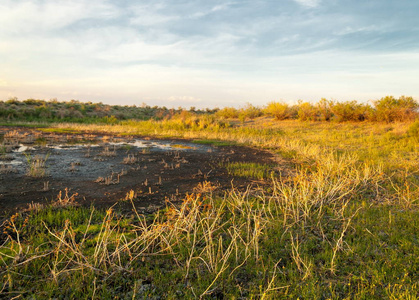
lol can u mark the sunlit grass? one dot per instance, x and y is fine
(342, 223)
(252, 170)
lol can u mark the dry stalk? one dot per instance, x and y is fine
(130, 159)
(304, 266)
(108, 153)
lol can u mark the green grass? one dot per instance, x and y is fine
(66, 248)
(25, 124)
(59, 130)
(341, 225)
(214, 143)
(249, 170)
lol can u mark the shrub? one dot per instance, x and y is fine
(228, 113)
(13, 100)
(250, 112)
(110, 120)
(44, 112)
(390, 109)
(349, 111)
(324, 109)
(279, 110)
(34, 102)
(306, 111)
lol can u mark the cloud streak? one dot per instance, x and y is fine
(308, 3)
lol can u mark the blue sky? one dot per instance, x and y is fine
(208, 53)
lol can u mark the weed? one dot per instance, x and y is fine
(7, 169)
(64, 200)
(108, 153)
(37, 165)
(252, 170)
(130, 159)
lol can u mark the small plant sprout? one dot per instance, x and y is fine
(87, 154)
(108, 153)
(6, 169)
(72, 167)
(64, 200)
(205, 187)
(130, 195)
(36, 165)
(130, 159)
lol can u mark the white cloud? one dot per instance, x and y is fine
(308, 3)
(23, 17)
(208, 11)
(150, 15)
(358, 29)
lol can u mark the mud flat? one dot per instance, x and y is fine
(104, 170)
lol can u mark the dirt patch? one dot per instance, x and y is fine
(105, 169)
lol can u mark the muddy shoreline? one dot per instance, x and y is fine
(103, 169)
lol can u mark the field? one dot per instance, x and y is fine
(256, 209)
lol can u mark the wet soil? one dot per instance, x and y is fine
(103, 170)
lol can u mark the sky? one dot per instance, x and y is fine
(208, 53)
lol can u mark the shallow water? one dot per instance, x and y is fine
(88, 160)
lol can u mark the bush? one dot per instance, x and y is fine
(324, 110)
(250, 112)
(390, 109)
(306, 112)
(349, 111)
(228, 113)
(279, 110)
(13, 100)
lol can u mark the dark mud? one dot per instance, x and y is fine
(103, 170)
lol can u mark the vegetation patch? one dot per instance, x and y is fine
(60, 130)
(249, 170)
(215, 143)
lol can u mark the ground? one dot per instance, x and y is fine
(103, 169)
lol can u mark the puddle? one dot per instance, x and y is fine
(92, 160)
(140, 144)
(67, 147)
(11, 162)
(22, 148)
(156, 145)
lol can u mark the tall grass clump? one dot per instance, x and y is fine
(252, 170)
(36, 165)
(413, 129)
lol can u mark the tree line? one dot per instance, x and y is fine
(387, 109)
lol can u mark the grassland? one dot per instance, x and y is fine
(340, 221)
